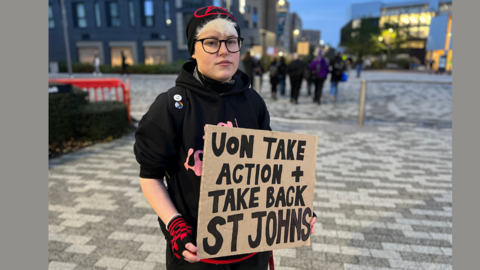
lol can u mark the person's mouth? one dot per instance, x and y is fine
(224, 63)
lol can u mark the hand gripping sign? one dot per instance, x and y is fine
(256, 192)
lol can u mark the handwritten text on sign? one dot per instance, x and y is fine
(256, 192)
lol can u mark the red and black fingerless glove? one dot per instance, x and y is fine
(181, 233)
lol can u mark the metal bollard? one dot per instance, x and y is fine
(361, 105)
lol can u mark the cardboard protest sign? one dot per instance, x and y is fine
(256, 192)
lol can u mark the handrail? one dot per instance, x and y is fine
(97, 84)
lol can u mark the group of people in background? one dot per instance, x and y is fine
(315, 74)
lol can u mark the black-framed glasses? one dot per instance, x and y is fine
(212, 45)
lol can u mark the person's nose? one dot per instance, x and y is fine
(223, 48)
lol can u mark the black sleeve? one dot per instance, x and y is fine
(156, 143)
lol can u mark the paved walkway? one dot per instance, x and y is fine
(383, 195)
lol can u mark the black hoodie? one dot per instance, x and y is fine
(164, 144)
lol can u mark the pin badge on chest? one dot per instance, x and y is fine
(178, 105)
(177, 97)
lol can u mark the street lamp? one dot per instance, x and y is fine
(296, 32)
(390, 30)
(281, 2)
(321, 42)
(280, 54)
(380, 39)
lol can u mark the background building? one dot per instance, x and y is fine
(417, 19)
(296, 28)
(311, 36)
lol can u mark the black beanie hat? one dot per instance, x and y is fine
(201, 17)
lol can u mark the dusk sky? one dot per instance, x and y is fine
(327, 16)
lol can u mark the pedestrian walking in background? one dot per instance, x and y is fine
(349, 64)
(337, 67)
(282, 74)
(274, 77)
(124, 64)
(359, 64)
(96, 66)
(258, 70)
(249, 65)
(295, 71)
(319, 69)
(309, 79)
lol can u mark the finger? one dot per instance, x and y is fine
(189, 257)
(191, 247)
(312, 224)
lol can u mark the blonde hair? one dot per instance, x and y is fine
(223, 26)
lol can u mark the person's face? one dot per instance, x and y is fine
(220, 66)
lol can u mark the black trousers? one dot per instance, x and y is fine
(318, 88)
(257, 262)
(274, 88)
(296, 85)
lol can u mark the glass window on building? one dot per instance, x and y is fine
(116, 55)
(186, 19)
(246, 26)
(148, 14)
(193, 3)
(155, 55)
(414, 19)
(51, 22)
(168, 20)
(255, 17)
(79, 17)
(404, 20)
(247, 8)
(445, 7)
(113, 14)
(98, 21)
(131, 13)
(425, 18)
(87, 54)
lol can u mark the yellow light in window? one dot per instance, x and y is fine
(423, 20)
(405, 20)
(413, 19)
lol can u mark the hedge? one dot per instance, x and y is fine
(100, 120)
(171, 68)
(71, 117)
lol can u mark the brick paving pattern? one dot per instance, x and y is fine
(383, 193)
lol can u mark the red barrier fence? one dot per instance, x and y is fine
(100, 85)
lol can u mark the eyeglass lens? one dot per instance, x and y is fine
(211, 45)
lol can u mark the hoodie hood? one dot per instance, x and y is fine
(187, 80)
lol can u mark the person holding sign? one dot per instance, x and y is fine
(170, 137)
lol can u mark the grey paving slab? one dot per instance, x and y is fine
(383, 193)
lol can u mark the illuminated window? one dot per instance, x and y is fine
(356, 23)
(116, 55)
(131, 13)
(148, 14)
(404, 20)
(414, 18)
(155, 55)
(113, 15)
(445, 7)
(98, 21)
(79, 18)
(51, 22)
(87, 54)
(168, 21)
